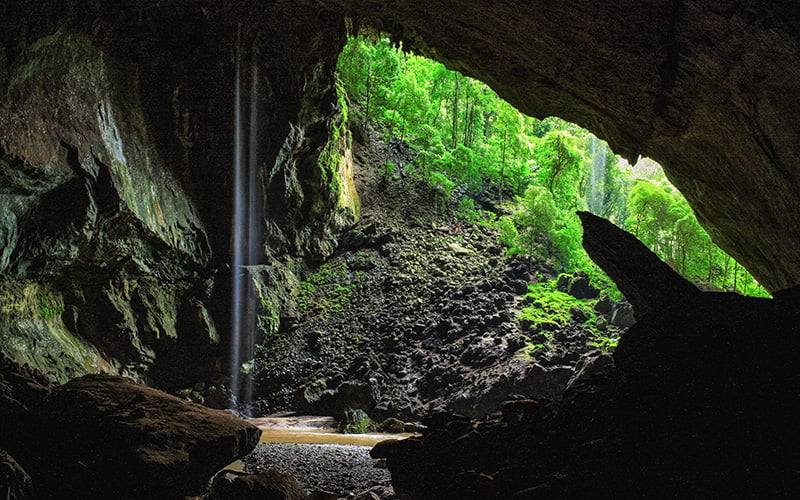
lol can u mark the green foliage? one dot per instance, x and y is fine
(560, 162)
(388, 169)
(275, 344)
(442, 188)
(356, 422)
(49, 309)
(550, 306)
(662, 219)
(469, 142)
(339, 140)
(269, 321)
(531, 223)
(466, 210)
(367, 70)
(551, 309)
(459, 126)
(328, 289)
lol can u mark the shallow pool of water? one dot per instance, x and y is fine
(284, 431)
(324, 436)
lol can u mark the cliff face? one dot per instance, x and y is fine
(116, 137)
(116, 152)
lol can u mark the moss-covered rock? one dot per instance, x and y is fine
(39, 330)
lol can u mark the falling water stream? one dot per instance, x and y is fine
(246, 235)
(599, 153)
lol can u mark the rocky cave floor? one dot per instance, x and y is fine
(343, 470)
(416, 314)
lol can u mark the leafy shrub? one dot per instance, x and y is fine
(552, 306)
(552, 309)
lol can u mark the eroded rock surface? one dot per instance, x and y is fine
(117, 137)
(102, 436)
(116, 145)
(696, 404)
(415, 313)
(15, 483)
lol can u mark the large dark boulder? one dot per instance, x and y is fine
(271, 485)
(577, 285)
(15, 483)
(22, 392)
(112, 438)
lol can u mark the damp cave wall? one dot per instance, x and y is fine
(116, 129)
(116, 136)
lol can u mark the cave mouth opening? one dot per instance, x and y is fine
(459, 153)
(463, 133)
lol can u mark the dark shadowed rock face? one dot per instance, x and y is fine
(698, 403)
(15, 483)
(111, 438)
(273, 485)
(116, 145)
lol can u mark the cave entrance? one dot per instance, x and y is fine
(467, 264)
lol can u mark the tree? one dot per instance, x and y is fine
(469, 144)
(367, 70)
(559, 161)
(531, 223)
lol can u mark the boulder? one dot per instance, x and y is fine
(15, 484)
(392, 426)
(355, 421)
(603, 306)
(577, 285)
(457, 249)
(644, 279)
(112, 437)
(322, 495)
(22, 390)
(592, 363)
(347, 395)
(622, 315)
(271, 485)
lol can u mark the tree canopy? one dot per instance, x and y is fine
(470, 145)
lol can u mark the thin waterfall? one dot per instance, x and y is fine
(595, 198)
(246, 239)
(237, 228)
(254, 235)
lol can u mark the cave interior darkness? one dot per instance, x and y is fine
(115, 146)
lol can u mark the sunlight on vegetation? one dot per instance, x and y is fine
(327, 290)
(522, 176)
(550, 309)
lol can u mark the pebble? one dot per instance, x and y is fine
(343, 469)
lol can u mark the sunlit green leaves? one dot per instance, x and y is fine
(469, 143)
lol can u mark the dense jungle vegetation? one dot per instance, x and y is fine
(523, 176)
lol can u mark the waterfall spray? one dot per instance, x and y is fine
(595, 199)
(238, 236)
(246, 238)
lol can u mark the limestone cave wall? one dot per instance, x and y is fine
(116, 143)
(116, 152)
